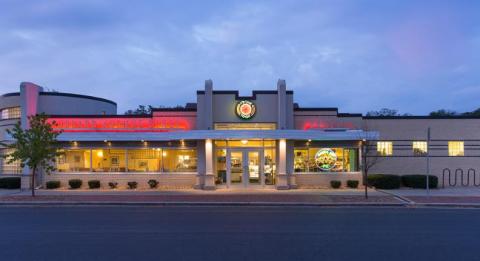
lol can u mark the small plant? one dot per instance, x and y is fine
(152, 183)
(132, 184)
(94, 184)
(75, 183)
(53, 184)
(335, 184)
(113, 185)
(352, 183)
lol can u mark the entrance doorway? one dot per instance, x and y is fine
(245, 168)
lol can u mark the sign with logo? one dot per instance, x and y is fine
(325, 159)
(245, 109)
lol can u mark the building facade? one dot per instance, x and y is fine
(225, 140)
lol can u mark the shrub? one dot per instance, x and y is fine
(352, 183)
(52, 184)
(335, 184)
(419, 181)
(152, 183)
(113, 185)
(132, 184)
(10, 183)
(94, 184)
(75, 183)
(382, 181)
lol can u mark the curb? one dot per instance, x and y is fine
(401, 198)
(253, 204)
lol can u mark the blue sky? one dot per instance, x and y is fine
(414, 56)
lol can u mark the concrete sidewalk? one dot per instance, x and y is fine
(462, 197)
(199, 197)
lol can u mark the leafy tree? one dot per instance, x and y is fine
(383, 112)
(147, 109)
(443, 112)
(141, 109)
(33, 147)
(472, 113)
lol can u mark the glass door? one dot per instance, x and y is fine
(253, 171)
(236, 167)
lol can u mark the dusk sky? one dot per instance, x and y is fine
(414, 56)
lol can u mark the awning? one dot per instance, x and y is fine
(319, 135)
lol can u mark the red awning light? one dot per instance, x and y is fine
(154, 124)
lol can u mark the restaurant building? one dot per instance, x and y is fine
(224, 140)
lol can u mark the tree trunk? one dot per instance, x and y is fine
(33, 182)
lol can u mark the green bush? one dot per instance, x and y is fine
(94, 184)
(383, 181)
(10, 183)
(113, 185)
(335, 184)
(352, 183)
(132, 184)
(153, 183)
(52, 184)
(419, 181)
(75, 183)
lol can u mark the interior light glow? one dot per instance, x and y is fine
(244, 142)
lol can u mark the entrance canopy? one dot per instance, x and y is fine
(319, 135)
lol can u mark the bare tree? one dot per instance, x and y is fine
(370, 154)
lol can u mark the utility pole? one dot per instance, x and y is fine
(428, 162)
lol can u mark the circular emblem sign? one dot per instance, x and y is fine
(245, 109)
(325, 159)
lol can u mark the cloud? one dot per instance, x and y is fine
(159, 53)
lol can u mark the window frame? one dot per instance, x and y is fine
(388, 149)
(460, 148)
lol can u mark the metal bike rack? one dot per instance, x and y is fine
(468, 179)
(474, 177)
(443, 176)
(459, 170)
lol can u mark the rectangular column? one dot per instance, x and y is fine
(209, 177)
(282, 179)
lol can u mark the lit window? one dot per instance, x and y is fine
(11, 113)
(455, 148)
(385, 148)
(6, 167)
(420, 148)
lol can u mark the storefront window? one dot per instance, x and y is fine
(325, 160)
(145, 160)
(73, 160)
(9, 168)
(131, 160)
(221, 166)
(108, 160)
(270, 166)
(179, 160)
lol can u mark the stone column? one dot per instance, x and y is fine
(209, 177)
(282, 178)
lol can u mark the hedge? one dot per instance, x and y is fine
(52, 184)
(352, 183)
(335, 184)
(383, 181)
(419, 181)
(75, 183)
(94, 184)
(10, 183)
